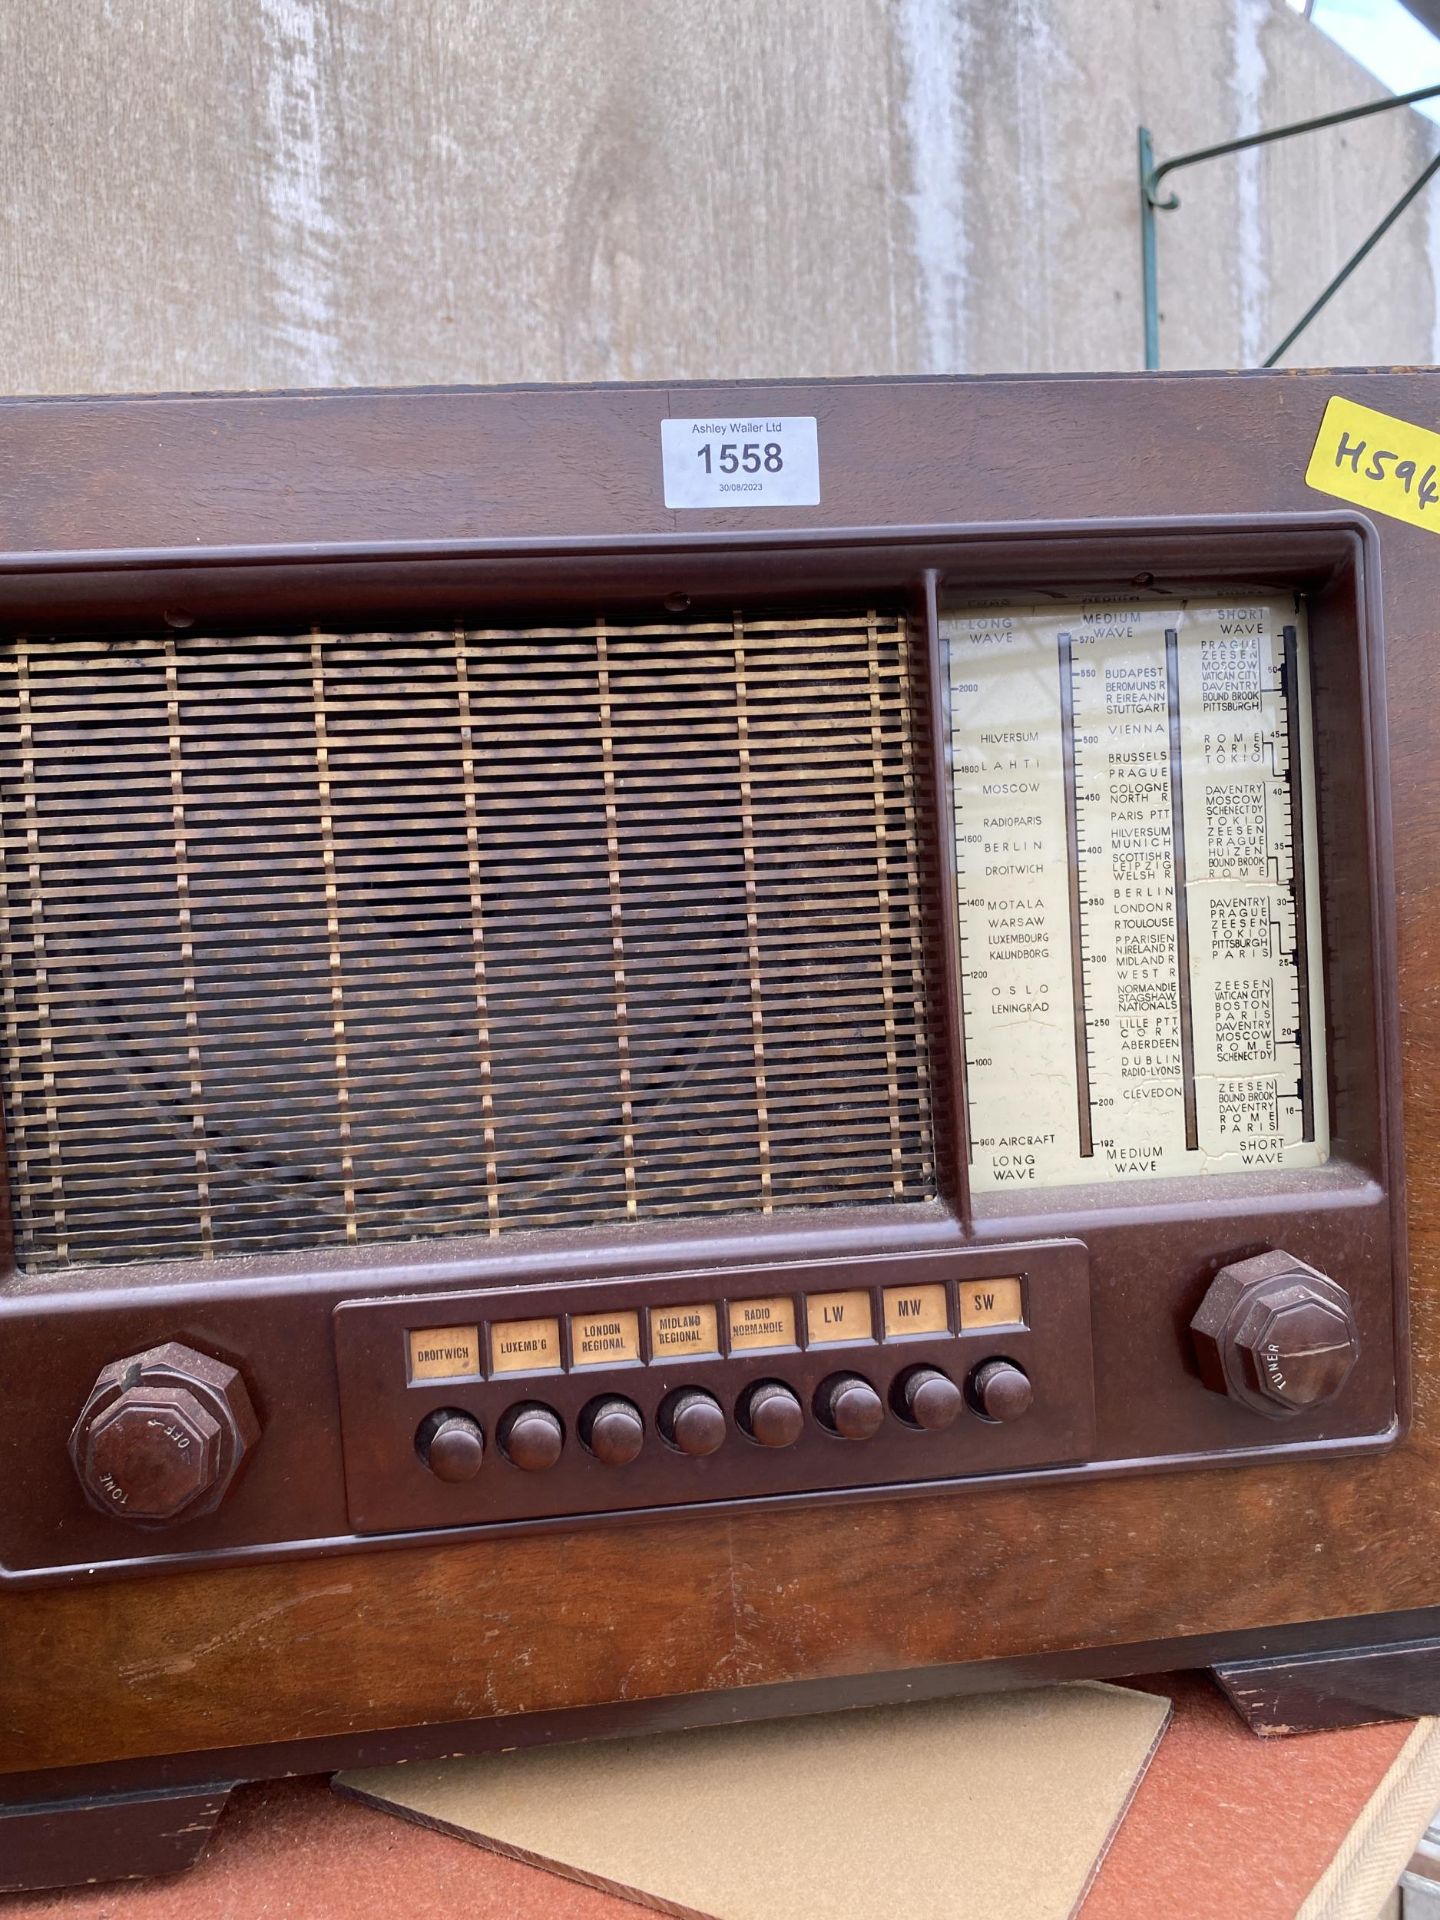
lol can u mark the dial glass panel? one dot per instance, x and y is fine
(1138, 891)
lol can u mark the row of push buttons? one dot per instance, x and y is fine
(692, 1421)
(705, 1329)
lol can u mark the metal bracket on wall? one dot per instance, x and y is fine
(1150, 203)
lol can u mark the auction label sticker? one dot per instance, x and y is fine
(757, 461)
(1376, 461)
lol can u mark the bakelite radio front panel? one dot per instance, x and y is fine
(895, 1010)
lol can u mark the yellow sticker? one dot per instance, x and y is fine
(1379, 462)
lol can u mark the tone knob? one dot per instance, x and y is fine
(613, 1429)
(162, 1435)
(531, 1437)
(1001, 1390)
(693, 1421)
(771, 1414)
(930, 1398)
(1276, 1335)
(451, 1444)
(849, 1406)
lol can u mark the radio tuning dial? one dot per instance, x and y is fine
(771, 1414)
(693, 1421)
(1275, 1334)
(162, 1435)
(452, 1445)
(849, 1406)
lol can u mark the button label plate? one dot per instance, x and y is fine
(525, 1346)
(832, 1317)
(444, 1353)
(604, 1339)
(921, 1309)
(990, 1303)
(684, 1330)
(755, 1324)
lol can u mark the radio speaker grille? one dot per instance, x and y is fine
(372, 937)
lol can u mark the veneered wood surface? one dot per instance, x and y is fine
(449, 1631)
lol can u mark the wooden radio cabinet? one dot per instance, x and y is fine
(681, 1052)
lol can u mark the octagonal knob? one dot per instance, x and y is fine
(162, 1435)
(1275, 1334)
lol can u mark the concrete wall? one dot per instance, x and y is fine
(210, 194)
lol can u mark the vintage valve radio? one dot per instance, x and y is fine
(659, 1041)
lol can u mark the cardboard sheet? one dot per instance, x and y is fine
(995, 1808)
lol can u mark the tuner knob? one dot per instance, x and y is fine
(531, 1437)
(849, 1406)
(163, 1435)
(771, 1414)
(613, 1430)
(693, 1421)
(930, 1398)
(451, 1444)
(1001, 1390)
(1276, 1335)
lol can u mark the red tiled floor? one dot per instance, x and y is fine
(1224, 1823)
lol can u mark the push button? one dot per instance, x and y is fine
(771, 1414)
(1000, 1390)
(451, 1444)
(693, 1421)
(531, 1437)
(929, 1398)
(613, 1429)
(849, 1406)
